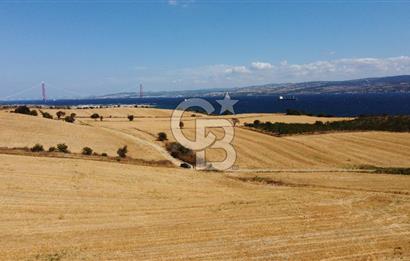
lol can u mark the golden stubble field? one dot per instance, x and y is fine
(261, 151)
(254, 150)
(64, 209)
(78, 209)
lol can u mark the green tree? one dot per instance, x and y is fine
(37, 148)
(87, 151)
(62, 147)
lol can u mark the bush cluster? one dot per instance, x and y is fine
(37, 148)
(62, 147)
(180, 152)
(371, 123)
(300, 112)
(25, 110)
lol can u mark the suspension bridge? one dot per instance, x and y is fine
(29, 93)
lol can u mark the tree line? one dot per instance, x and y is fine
(367, 123)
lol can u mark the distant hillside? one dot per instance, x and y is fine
(368, 85)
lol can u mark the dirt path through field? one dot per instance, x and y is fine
(164, 153)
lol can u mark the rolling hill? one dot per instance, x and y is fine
(389, 84)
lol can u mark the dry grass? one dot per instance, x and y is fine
(336, 150)
(121, 112)
(278, 117)
(86, 210)
(22, 130)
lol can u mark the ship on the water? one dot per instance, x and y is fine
(287, 98)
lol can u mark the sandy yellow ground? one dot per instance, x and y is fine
(66, 209)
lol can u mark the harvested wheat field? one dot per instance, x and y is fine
(324, 151)
(336, 150)
(24, 131)
(288, 198)
(115, 112)
(65, 209)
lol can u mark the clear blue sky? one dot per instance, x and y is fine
(105, 47)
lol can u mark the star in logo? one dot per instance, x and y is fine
(227, 104)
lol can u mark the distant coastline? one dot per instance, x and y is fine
(389, 84)
(335, 104)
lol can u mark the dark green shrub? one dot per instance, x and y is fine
(300, 112)
(294, 112)
(104, 154)
(60, 114)
(52, 149)
(122, 152)
(87, 151)
(23, 110)
(33, 113)
(46, 115)
(130, 117)
(69, 119)
(95, 116)
(180, 152)
(162, 136)
(62, 147)
(185, 165)
(375, 123)
(37, 148)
